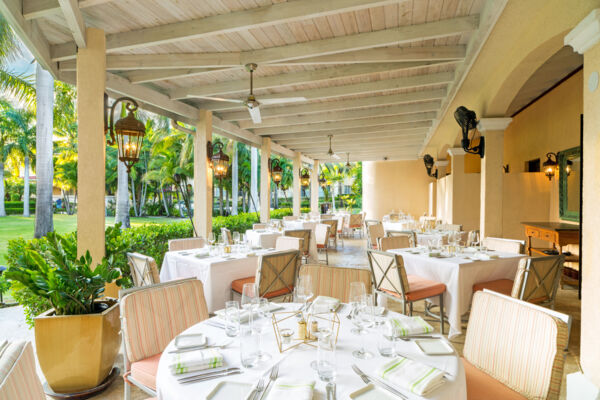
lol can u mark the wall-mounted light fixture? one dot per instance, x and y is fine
(550, 165)
(322, 180)
(218, 159)
(304, 177)
(569, 167)
(276, 171)
(127, 132)
(428, 161)
(467, 120)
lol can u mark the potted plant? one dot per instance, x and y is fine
(77, 340)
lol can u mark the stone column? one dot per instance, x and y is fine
(265, 180)
(254, 201)
(314, 187)
(203, 175)
(234, 180)
(91, 78)
(297, 188)
(440, 191)
(490, 208)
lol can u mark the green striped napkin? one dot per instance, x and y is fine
(196, 360)
(410, 326)
(292, 390)
(411, 375)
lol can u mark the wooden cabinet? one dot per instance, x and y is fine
(556, 233)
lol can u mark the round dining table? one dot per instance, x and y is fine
(295, 364)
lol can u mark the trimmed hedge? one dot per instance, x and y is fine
(16, 207)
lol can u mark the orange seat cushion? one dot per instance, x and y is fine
(144, 371)
(320, 246)
(238, 285)
(420, 288)
(481, 386)
(503, 286)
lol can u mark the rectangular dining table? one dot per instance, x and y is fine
(262, 238)
(459, 274)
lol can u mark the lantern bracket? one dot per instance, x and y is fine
(213, 148)
(109, 116)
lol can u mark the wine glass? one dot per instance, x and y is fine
(304, 288)
(211, 238)
(236, 237)
(356, 297)
(261, 324)
(250, 300)
(363, 319)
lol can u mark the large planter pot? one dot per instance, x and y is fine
(77, 352)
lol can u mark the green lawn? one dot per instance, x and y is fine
(14, 226)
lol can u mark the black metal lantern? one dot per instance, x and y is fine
(304, 177)
(322, 180)
(218, 159)
(428, 160)
(276, 171)
(550, 165)
(128, 133)
(569, 167)
(467, 120)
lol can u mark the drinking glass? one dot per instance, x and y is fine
(363, 319)
(250, 300)
(211, 238)
(249, 351)
(236, 237)
(260, 325)
(304, 290)
(386, 340)
(355, 298)
(232, 318)
(326, 358)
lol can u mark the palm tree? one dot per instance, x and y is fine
(12, 84)
(22, 145)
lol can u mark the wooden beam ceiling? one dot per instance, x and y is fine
(392, 133)
(70, 9)
(403, 127)
(33, 9)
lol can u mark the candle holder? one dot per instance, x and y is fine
(291, 331)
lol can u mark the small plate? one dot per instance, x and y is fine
(226, 390)
(190, 340)
(372, 392)
(434, 347)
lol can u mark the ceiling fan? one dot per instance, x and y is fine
(330, 152)
(250, 102)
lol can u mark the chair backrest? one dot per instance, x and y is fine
(371, 222)
(144, 270)
(505, 245)
(333, 223)
(335, 281)
(259, 226)
(471, 237)
(518, 345)
(276, 273)
(186, 244)
(389, 275)
(226, 236)
(322, 234)
(303, 234)
(537, 279)
(355, 220)
(152, 316)
(451, 227)
(393, 242)
(18, 377)
(412, 235)
(290, 218)
(289, 243)
(374, 232)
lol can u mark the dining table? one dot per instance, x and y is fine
(294, 364)
(264, 238)
(459, 272)
(399, 225)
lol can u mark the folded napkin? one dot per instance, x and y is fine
(410, 326)
(411, 375)
(485, 257)
(245, 314)
(325, 303)
(196, 360)
(292, 390)
(202, 253)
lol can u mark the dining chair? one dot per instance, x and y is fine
(289, 243)
(226, 236)
(322, 234)
(324, 217)
(514, 349)
(143, 269)
(275, 275)
(536, 280)
(471, 237)
(333, 228)
(451, 227)
(374, 232)
(151, 316)
(355, 223)
(391, 280)
(393, 242)
(504, 245)
(186, 244)
(305, 235)
(18, 376)
(411, 234)
(335, 281)
(290, 218)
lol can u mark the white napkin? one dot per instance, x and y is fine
(410, 326)
(290, 389)
(202, 253)
(196, 360)
(245, 314)
(411, 375)
(323, 303)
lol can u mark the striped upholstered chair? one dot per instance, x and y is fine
(186, 244)
(514, 349)
(394, 242)
(151, 316)
(335, 281)
(18, 379)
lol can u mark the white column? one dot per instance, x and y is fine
(254, 201)
(491, 176)
(440, 191)
(234, 180)
(455, 185)
(314, 187)
(91, 76)
(265, 180)
(203, 175)
(296, 190)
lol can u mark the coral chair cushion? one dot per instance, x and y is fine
(503, 286)
(421, 288)
(481, 386)
(18, 379)
(238, 285)
(144, 371)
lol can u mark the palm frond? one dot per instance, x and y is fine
(17, 85)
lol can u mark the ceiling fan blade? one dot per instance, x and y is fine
(216, 99)
(255, 114)
(282, 100)
(335, 156)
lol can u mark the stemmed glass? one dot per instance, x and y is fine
(356, 297)
(250, 300)
(260, 326)
(363, 319)
(304, 289)
(211, 238)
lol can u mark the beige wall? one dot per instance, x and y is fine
(395, 185)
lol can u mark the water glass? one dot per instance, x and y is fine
(249, 350)
(250, 300)
(363, 319)
(326, 358)
(236, 237)
(386, 341)
(304, 290)
(260, 325)
(232, 318)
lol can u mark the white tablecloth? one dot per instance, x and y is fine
(426, 239)
(296, 366)
(397, 225)
(216, 273)
(459, 275)
(299, 224)
(263, 238)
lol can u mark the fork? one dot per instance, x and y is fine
(272, 378)
(260, 386)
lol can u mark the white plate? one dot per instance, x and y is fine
(372, 392)
(191, 340)
(434, 347)
(227, 390)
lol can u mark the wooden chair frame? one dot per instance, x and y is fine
(148, 275)
(265, 262)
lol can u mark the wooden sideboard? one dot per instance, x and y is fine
(556, 233)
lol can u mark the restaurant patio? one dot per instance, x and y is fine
(460, 275)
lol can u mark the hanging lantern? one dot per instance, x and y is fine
(219, 160)
(550, 165)
(304, 177)
(276, 171)
(322, 180)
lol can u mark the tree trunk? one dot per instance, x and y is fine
(2, 194)
(333, 196)
(227, 201)
(143, 198)
(44, 168)
(234, 181)
(164, 200)
(276, 197)
(220, 200)
(254, 207)
(26, 188)
(133, 202)
(122, 211)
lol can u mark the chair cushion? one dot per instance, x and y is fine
(144, 371)
(18, 377)
(238, 285)
(421, 288)
(503, 286)
(481, 386)
(320, 246)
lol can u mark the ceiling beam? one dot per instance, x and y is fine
(344, 115)
(72, 13)
(33, 9)
(417, 132)
(145, 76)
(314, 108)
(412, 126)
(227, 23)
(376, 156)
(357, 144)
(163, 61)
(342, 150)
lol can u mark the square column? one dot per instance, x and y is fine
(490, 219)
(91, 79)
(265, 181)
(463, 194)
(234, 180)
(440, 191)
(254, 205)
(314, 187)
(203, 177)
(296, 188)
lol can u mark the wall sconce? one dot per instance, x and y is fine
(550, 165)
(304, 177)
(127, 132)
(467, 120)
(569, 167)
(428, 160)
(219, 160)
(322, 180)
(276, 171)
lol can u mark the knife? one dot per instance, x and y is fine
(210, 371)
(209, 377)
(366, 378)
